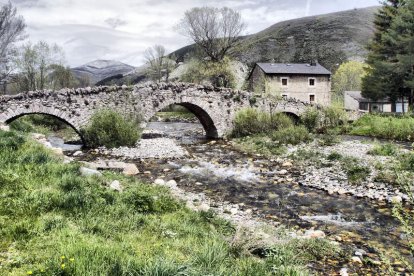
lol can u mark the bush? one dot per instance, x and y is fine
(292, 135)
(386, 127)
(387, 149)
(325, 119)
(356, 173)
(110, 129)
(311, 118)
(250, 121)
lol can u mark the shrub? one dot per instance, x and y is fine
(250, 121)
(333, 116)
(387, 127)
(11, 140)
(407, 162)
(333, 156)
(387, 149)
(356, 173)
(110, 129)
(292, 135)
(311, 118)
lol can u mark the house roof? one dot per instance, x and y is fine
(294, 68)
(356, 95)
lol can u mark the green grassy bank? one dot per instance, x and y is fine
(53, 221)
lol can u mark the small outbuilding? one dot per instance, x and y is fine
(305, 82)
(355, 101)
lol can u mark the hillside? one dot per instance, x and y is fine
(99, 70)
(330, 38)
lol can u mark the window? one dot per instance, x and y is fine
(284, 96)
(312, 82)
(284, 81)
(311, 98)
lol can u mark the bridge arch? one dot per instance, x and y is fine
(12, 117)
(200, 112)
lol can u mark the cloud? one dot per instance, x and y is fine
(123, 29)
(115, 22)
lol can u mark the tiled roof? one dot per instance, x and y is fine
(294, 68)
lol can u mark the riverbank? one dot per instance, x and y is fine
(89, 227)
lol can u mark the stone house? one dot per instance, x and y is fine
(305, 82)
(353, 100)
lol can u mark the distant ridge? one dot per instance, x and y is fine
(98, 70)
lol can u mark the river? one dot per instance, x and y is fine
(227, 175)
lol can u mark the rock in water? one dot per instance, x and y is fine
(89, 172)
(159, 181)
(130, 170)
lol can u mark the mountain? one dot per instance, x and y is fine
(330, 38)
(99, 70)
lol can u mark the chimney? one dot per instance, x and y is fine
(314, 63)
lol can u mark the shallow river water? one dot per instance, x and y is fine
(227, 175)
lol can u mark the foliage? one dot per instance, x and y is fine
(291, 135)
(387, 127)
(259, 144)
(251, 121)
(108, 128)
(159, 66)
(12, 31)
(53, 221)
(355, 172)
(348, 77)
(391, 52)
(322, 120)
(217, 73)
(387, 149)
(36, 63)
(213, 30)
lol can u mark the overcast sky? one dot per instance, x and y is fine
(122, 29)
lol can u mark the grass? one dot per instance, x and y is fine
(54, 221)
(385, 127)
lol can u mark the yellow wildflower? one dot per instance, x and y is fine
(29, 272)
(72, 259)
(63, 257)
(63, 266)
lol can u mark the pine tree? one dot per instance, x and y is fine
(381, 80)
(401, 38)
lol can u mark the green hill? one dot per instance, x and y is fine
(330, 38)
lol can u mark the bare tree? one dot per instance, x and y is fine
(160, 66)
(214, 30)
(34, 63)
(11, 31)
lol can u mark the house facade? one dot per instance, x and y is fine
(353, 100)
(305, 82)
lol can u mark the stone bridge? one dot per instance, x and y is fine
(214, 107)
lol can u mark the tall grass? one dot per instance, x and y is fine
(386, 127)
(53, 221)
(251, 121)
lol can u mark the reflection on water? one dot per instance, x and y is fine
(58, 142)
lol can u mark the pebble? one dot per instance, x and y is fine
(356, 260)
(343, 272)
(78, 153)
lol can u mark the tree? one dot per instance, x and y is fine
(61, 77)
(34, 63)
(12, 29)
(160, 66)
(401, 38)
(214, 30)
(348, 77)
(381, 79)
